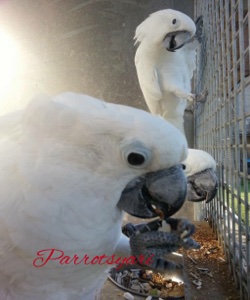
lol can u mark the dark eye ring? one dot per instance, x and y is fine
(136, 159)
(174, 21)
(183, 167)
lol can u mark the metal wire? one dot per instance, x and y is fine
(222, 125)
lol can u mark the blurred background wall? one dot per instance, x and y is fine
(83, 46)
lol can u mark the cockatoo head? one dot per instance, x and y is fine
(202, 181)
(115, 145)
(169, 28)
(66, 161)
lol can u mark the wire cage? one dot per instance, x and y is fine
(222, 125)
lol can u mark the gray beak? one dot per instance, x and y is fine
(176, 40)
(155, 193)
(202, 186)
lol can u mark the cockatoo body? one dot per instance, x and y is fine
(164, 65)
(64, 164)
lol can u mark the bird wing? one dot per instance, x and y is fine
(148, 78)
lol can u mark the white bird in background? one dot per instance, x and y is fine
(202, 181)
(165, 60)
(164, 67)
(64, 164)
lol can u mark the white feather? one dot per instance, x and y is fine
(197, 161)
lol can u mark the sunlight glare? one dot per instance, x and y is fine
(9, 61)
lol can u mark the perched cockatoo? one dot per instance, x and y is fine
(165, 60)
(65, 162)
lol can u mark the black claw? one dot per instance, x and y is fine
(199, 29)
(199, 22)
(190, 244)
(202, 96)
(129, 229)
(182, 227)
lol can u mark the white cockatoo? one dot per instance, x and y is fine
(164, 66)
(64, 164)
(165, 60)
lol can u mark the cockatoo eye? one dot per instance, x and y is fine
(136, 159)
(136, 155)
(174, 21)
(183, 167)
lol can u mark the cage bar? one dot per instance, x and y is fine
(222, 125)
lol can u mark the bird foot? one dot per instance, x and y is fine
(147, 240)
(199, 29)
(201, 97)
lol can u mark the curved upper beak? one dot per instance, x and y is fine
(175, 40)
(202, 186)
(160, 193)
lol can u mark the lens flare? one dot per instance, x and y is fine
(9, 62)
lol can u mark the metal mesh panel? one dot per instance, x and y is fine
(222, 125)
